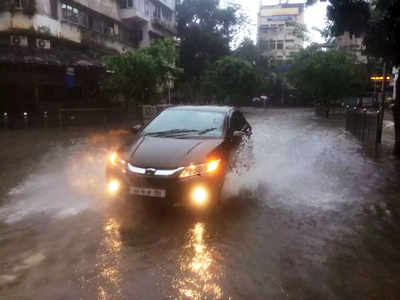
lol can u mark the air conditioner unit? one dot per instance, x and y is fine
(19, 40)
(43, 44)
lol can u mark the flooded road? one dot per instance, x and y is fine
(314, 218)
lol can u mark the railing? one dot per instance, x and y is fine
(168, 25)
(79, 117)
(363, 124)
(62, 118)
(329, 110)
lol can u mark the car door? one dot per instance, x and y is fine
(238, 143)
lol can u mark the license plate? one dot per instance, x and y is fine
(155, 193)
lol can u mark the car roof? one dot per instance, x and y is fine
(211, 108)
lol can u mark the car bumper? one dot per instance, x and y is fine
(177, 190)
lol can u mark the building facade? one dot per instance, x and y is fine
(51, 51)
(281, 31)
(352, 44)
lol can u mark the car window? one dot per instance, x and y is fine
(238, 122)
(202, 123)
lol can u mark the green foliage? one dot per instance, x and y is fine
(205, 31)
(247, 50)
(348, 15)
(383, 33)
(236, 78)
(328, 75)
(139, 74)
(379, 23)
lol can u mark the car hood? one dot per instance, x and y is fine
(170, 153)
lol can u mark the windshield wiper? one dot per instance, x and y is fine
(207, 130)
(170, 132)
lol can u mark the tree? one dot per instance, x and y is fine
(138, 75)
(327, 76)
(383, 41)
(236, 78)
(348, 15)
(380, 23)
(205, 31)
(247, 50)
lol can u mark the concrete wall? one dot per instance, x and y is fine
(21, 21)
(5, 21)
(281, 35)
(351, 44)
(43, 22)
(43, 7)
(70, 32)
(106, 7)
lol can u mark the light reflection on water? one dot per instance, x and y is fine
(109, 262)
(198, 270)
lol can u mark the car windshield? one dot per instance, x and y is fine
(183, 123)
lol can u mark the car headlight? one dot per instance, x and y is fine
(115, 160)
(202, 169)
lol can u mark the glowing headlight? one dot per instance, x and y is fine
(114, 159)
(202, 169)
(113, 186)
(200, 196)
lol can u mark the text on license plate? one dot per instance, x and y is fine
(157, 193)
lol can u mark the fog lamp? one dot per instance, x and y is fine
(200, 196)
(113, 186)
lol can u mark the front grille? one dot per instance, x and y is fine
(151, 181)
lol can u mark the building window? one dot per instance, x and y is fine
(290, 44)
(157, 12)
(272, 45)
(167, 14)
(54, 9)
(109, 28)
(83, 19)
(126, 3)
(147, 8)
(96, 24)
(75, 15)
(18, 4)
(279, 45)
(263, 44)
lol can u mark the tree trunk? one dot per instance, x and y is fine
(396, 118)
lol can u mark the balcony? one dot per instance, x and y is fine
(134, 15)
(169, 26)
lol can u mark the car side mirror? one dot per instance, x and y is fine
(136, 129)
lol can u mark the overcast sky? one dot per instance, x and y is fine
(315, 16)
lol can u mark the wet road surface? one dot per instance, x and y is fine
(314, 218)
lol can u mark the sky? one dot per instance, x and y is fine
(315, 16)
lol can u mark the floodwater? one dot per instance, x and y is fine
(316, 217)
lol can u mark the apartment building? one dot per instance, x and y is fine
(352, 44)
(51, 51)
(280, 30)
